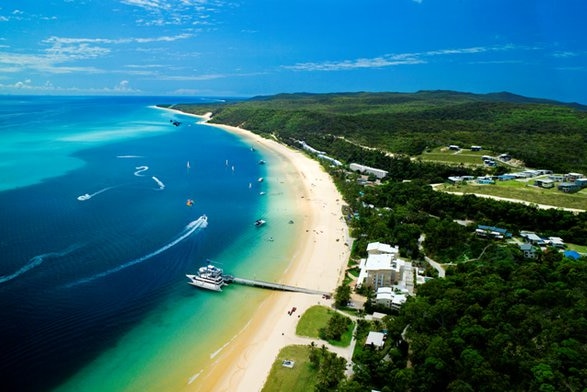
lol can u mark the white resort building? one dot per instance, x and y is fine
(369, 170)
(391, 297)
(392, 278)
(319, 154)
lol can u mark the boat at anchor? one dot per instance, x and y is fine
(260, 222)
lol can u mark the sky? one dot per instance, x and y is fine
(245, 48)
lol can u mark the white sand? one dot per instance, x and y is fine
(319, 264)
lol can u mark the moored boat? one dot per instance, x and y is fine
(208, 277)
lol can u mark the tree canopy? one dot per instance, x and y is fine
(543, 134)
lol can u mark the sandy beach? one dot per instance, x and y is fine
(321, 255)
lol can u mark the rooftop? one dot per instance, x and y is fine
(375, 338)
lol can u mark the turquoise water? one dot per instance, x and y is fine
(93, 294)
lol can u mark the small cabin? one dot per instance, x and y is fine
(569, 187)
(544, 183)
(485, 180)
(572, 177)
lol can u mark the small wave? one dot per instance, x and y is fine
(128, 156)
(161, 185)
(215, 353)
(201, 222)
(194, 377)
(36, 261)
(140, 169)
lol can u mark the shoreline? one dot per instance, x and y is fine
(322, 251)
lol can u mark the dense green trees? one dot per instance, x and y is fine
(417, 203)
(336, 327)
(330, 368)
(342, 296)
(496, 325)
(544, 134)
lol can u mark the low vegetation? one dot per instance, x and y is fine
(300, 377)
(517, 190)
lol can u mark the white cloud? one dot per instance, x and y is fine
(165, 38)
(565, 54)
(173, 12)
(378, 62)
(147, 4)
(123, 86)
(12, 63)
(390, 60)
(64, 50)
(48, 87)
(206, 76)
(193, 77)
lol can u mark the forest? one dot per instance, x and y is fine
(497, 324)
(541, 133)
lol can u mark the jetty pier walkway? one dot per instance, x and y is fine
(270, 285)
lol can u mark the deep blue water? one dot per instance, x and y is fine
(76, 275)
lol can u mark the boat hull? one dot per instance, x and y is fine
(194, 281)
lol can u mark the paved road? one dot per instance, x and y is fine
(437, 266)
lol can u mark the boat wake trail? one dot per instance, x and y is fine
(38, 260)
(199, 223)
(161, 185)
(140, 169)
(88, 196)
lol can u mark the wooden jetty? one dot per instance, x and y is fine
(270, 285)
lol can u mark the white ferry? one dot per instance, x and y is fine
(208, 277)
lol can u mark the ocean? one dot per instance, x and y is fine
(96, 236)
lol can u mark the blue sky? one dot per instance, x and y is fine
(244, 48)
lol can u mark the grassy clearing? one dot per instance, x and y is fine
(347, 280)
(299, 378)
(579, 248)
(312, 320)
(464, 156)
(316, 318)
(355, 272)
(448, 156)
(526, 192)
(345, 339)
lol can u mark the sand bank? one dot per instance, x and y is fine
(321, 257)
